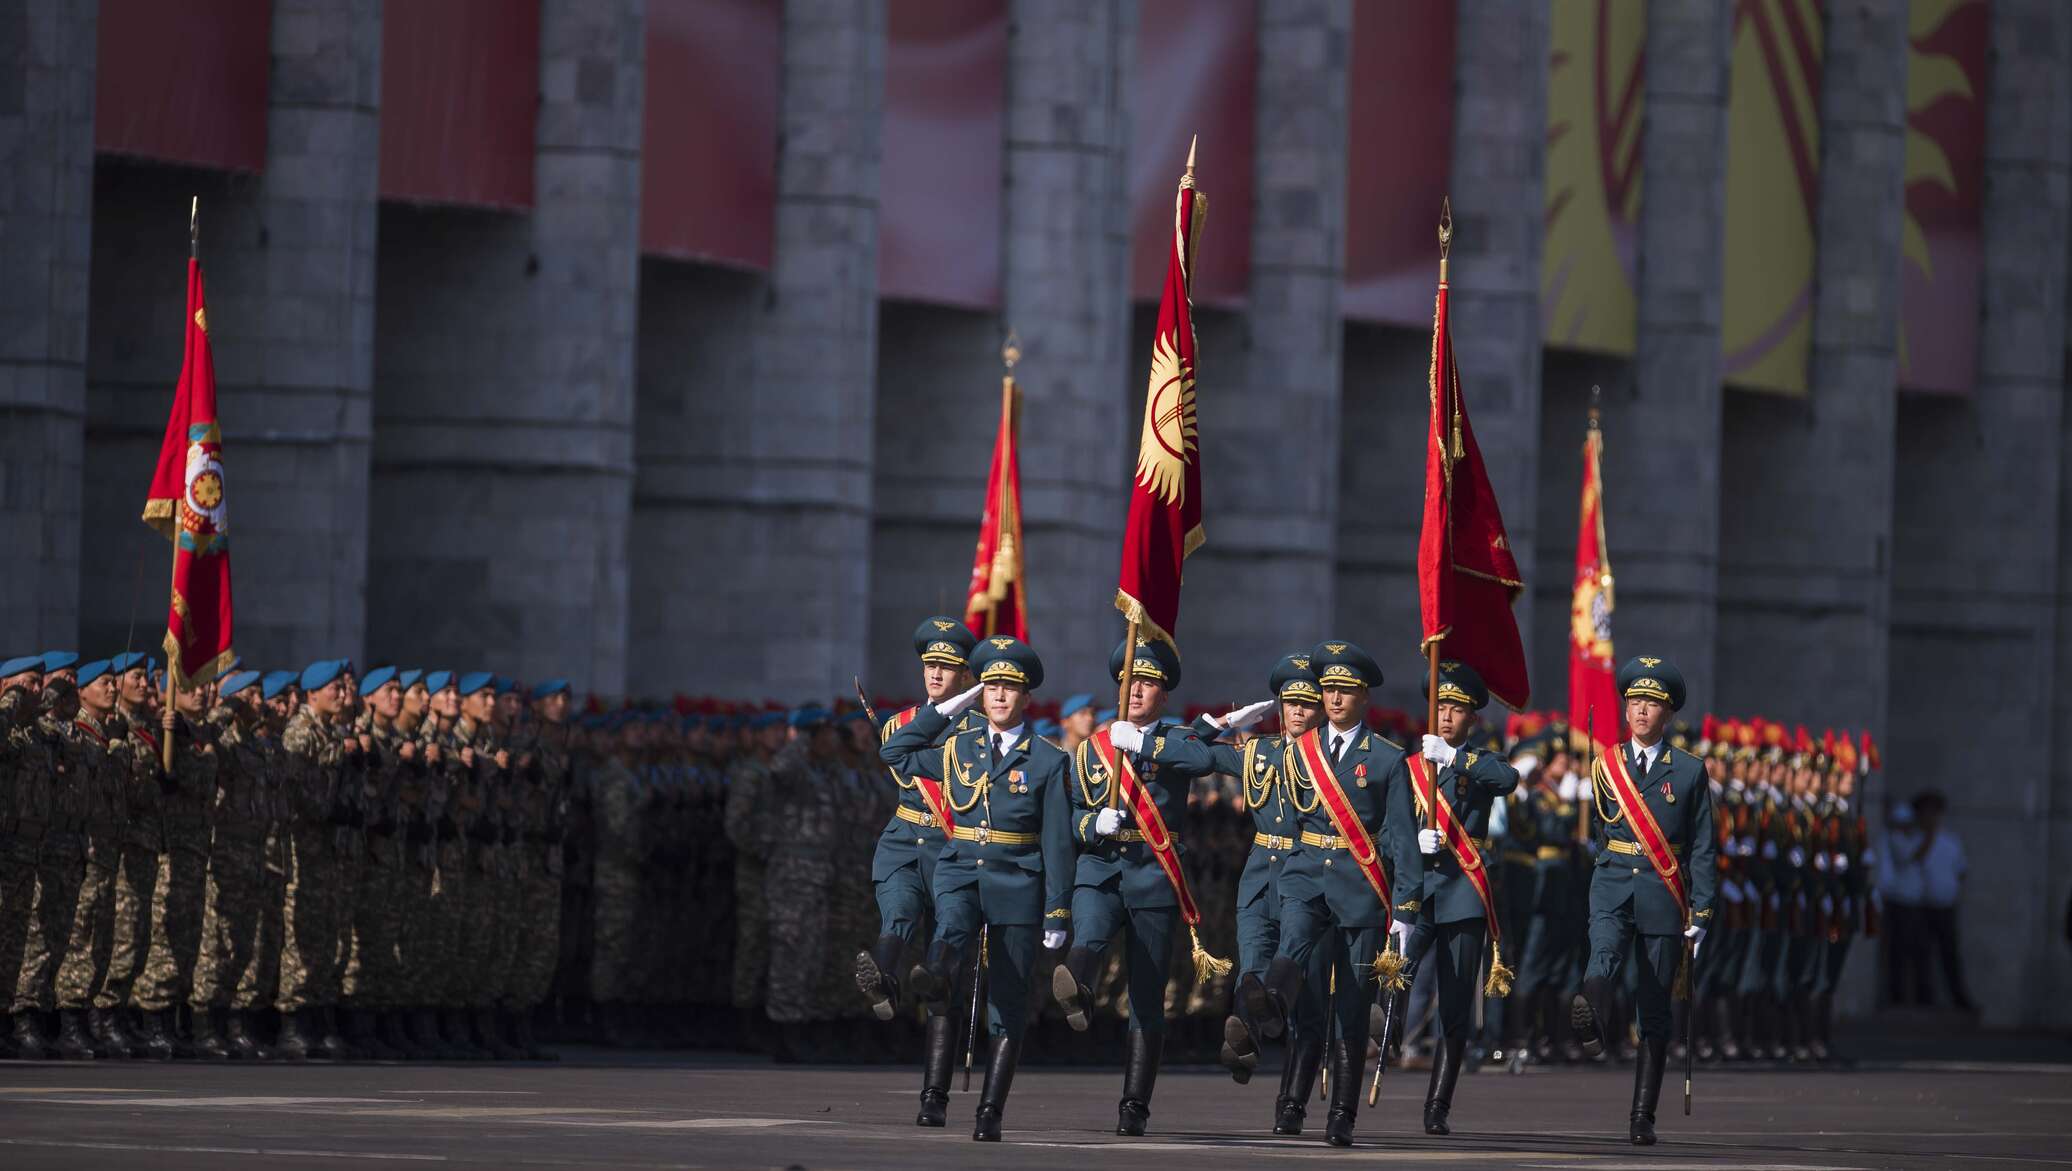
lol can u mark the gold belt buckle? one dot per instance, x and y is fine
(984, 835)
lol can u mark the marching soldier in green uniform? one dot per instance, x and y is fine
(1006, 873)
(1129, 869)
(903, 861)
(240, 814)
(1652, 889)
(1455, 785)
(1270, 801)
(101, 766)
(313, 760)
(186, 794)
(1357, 873)
(28, 769)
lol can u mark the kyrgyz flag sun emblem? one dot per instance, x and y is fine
(1170, 430)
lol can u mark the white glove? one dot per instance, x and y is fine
(1053, 938)
(954, 706)
(1107, 821)
(1526, 764)
(1571, 787)
(1841, 863)
(1437, 751)
(1400, 932)
(1696, 935)
(1798, 856)
(1126, 737)
(1429, 841)
(1244, 717)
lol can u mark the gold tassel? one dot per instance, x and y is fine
(1206, 966)
(1500, 977)
(1458, 450)
(1389, 970)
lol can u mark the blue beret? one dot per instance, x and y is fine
(131, 661)
(409, 677)
(236, 662)
(505, 684)
(376, 678)
(237, 681)
(810, 716)
(475, 681)
(1104, 716)
(17, 666)
(91, 671)
(549, 688)
(766, 719)
(275, 682)
(1048, 728)
(1076, 703)
(321, 672)
(1153, 659)
(437, 681)
(59, 660)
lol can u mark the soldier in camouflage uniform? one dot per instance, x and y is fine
(800, 879)
(314, 766)
(179, 895)
(28, 771)
(98, 756)
(616, 808)
(749, 831)
(374, 971)
(482, 805)
(240, 816)
(542, 750)
(136, 878)
(443, 1026)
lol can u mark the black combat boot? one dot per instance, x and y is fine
(241, 1039)
(1281, 988)
(491, 1038)
(1348, 1062)
(1139, 1074)
(1647, 1087)
(1001, 1054)
(1298, 1078)
(158, 1038)
(29, 1043)
(1240, 1053)
(388, 1026)
(454, 1024)
(294, 1043)
(376, 1029)
(208, 1036)
(1591, 1018)
(874, 970)
(1071, 983)
(938, 1057)
(104, 1026)
(934, 979)
(522, 1033)
(1446, 1063)
(425, 1042)
(323, 1025)
(74, 1041)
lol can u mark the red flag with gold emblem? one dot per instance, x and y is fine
(186, 505)
(1593, 692)
(1466, 575)
(995, 602)
(1165, 495)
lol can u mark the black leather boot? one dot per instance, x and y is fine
(1282, 987)
(293, 1043)
(453, 1024)
(1001, 1054)
(1446, 1063)
(29, 1043)
(241, 1038)
(528, 1043)
(323, 1024)
(1647, 1088)
(424, 1031)
(389, 1027)
(874, 970)
(1298, 1079)
(1071, 984)
(158, 1039)
(1139, 1074)
(1251, 1005)
(1240, 1053)
(934, 980)
(74, 1041)
(938, 1056)
(489, 1039)
(208, 1036)
(1348, 1063)
(1590, 1017)
(109, 1038)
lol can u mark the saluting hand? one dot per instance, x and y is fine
(1238, 719)
(955, 706)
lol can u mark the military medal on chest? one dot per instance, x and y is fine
(1360, 775)
(1016, 782)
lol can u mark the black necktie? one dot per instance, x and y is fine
(999, 748)
(1338, 751)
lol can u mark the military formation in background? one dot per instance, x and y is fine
(431, 865)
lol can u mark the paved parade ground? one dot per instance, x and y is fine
(598, 1109)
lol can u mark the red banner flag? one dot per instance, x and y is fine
(186, 505)
(1593, 693)
(1165, 496)
(1466, 576)
(995, 602)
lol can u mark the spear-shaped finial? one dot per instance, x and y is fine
(1191, 144)
(194, 226)
(1445, 225)
(1011, 352)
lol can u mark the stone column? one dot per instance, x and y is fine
(1266, 578)
(752, 564)
(503, 465)
(289, 259)
(1977, 532)
(1662, 441)
(46, 218)
(1805, 570)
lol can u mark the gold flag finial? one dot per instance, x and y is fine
(1011, 352)
(1191, 144)
(1445, 233)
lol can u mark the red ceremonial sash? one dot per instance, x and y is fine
(931, 791)
(1310, 747)
(1151, 823)
(1653, 842)
(1424, 787)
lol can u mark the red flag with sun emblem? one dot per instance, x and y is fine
(1165, 496)
(995, 602)
(186, 505)
(1593, 693)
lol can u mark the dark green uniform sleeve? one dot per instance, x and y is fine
(1492, 774)
(916, 748)
(1178, 746)
(1060, 854)
(1703, 859)
(1399, 841)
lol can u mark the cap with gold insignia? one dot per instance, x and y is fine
(1650, 677)
(944, 640)
(1153, 659)
(1001, 659)
(1293, 680)
(1458, 683)
(1341, 664)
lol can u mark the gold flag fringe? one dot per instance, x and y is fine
(1206, 966)
(1389, 968)
(1500, 977)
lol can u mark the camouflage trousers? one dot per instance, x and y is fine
(259, 987)
(484, 893)
(82, 957)
(419, 950)
(751, 932)
(136, 892)
(450, 926)
(536, 932)
(374, 968)
(506, 895)
(232, 898)
(178, 902)
(614, 945)
(310, 915)
(60, 867)
(18, 855)
(797, 892)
